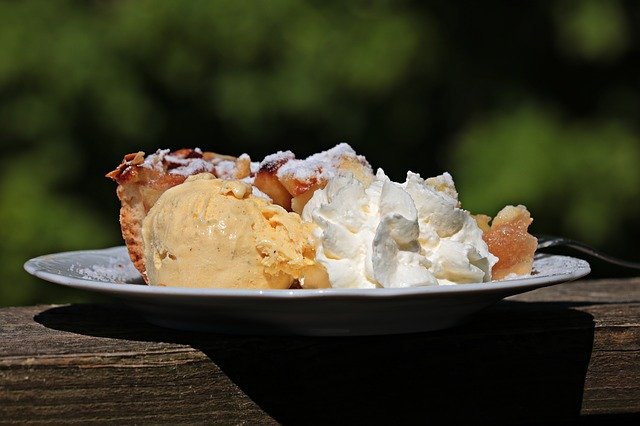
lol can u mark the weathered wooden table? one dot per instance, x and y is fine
(565, 353)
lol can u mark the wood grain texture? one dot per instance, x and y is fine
(565, 353)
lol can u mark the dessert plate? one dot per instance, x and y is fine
(326, 312)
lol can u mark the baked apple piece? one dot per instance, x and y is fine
(291, 182)
(508, 238)
(267, 181)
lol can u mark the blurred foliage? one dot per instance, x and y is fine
(592, 29)
(527, 102)
(576, 174)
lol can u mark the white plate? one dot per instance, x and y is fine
(305, 312)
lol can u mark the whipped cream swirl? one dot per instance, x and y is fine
(396, 235)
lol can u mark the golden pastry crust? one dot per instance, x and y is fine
(142, 179)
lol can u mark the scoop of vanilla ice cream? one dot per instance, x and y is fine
(396, 235)
(208, 232)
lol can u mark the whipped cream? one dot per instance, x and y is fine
(393, 235)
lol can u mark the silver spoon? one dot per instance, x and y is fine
(545, 241)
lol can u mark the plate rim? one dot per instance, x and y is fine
(519, 285)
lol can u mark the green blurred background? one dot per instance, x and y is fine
(523, 102)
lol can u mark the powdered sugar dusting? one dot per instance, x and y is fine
(175, 164)
(278, 157)
(225, 169)
(333, 155)
(154, 161)
(305, 170)
(102, 273)
(190, 166)
(321, 166)
(112, 266)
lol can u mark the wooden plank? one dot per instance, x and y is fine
(612, 382)
(587, 291)
(550, 355)
(108, 366)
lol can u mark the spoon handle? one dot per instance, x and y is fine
(545, 241)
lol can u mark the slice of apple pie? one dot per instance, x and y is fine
(287, 181)
(142, 179)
